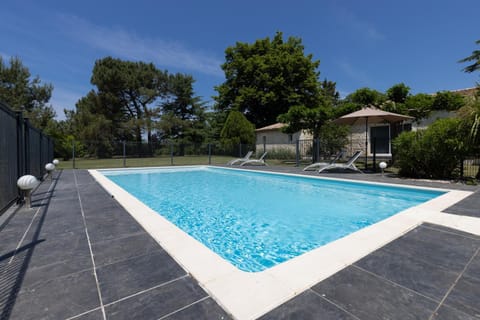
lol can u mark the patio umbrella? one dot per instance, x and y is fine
(373, 115)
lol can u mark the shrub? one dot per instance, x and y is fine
(432, 153)
(237, 130)
(279, 153)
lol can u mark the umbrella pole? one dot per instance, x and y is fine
(366, 141)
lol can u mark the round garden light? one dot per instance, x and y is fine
(55, 162)
(382, 166)
(50, 167)
(27, 183)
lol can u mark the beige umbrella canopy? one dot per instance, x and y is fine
(372, 115)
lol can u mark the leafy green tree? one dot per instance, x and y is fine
(333, 138)
(446, 100)
(266, 78)
(366, 96)
(23, 93)
(418, 106)
(303, 118)
(398, 93)
(183, 114)
(237, 130)
(475, 58)
(94, 125)
(134, 87)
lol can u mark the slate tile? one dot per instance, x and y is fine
(110, 228)
(205, 309)
(58, 256)
(53, 227)
(473, 269)
(9, 241)
(92, 315)
(450, 230)
(157, 302)
(130, 276)
(417, 275)
(369, 297)
(59, 298)
(447, 250)
(465, 296)
(467, 207)
(109, 251)
(92, 206)
(307, 306)
(447, 313)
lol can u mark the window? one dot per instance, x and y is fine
(380, 139)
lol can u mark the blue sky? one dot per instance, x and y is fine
(372, 44)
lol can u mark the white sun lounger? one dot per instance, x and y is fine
(349, 165)
(235, 161)
(258, 161)
(315, 165)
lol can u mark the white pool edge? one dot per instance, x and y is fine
(233, 289)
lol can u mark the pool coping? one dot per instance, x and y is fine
(233, 288)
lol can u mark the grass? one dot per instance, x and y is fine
(153, 162)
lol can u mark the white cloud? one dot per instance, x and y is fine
(358, 25)
(357, 75)
(128, 45)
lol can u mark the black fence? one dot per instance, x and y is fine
(23, 150)
(105, 154)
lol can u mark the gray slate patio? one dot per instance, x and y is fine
(77, 254)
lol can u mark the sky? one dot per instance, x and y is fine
(370, 43)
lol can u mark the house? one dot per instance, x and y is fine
(379, 134)
(273, 138)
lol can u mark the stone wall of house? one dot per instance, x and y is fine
(275, 137)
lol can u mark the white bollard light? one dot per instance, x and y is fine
(55, 162)
(382, 166)
(50, 167)
(27, 183)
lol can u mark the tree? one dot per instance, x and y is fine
(134, 87)
(302, 118)
(266, 78)
(475, 57)
(366, 96)
(446, 100)
(398, 93)
(22, 93)
(237, 130)
(183, 115)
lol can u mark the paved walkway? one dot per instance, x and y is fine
(77, 254)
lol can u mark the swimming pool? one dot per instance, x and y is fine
(257, 220)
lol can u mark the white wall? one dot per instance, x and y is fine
(434, 115)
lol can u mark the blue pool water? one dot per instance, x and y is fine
(256, 220)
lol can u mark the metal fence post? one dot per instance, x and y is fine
(21, 170)
(171, 154)
(297, 153)
(73, 154)
(239, 150)
(209, 154)
(462, 168)
(26, 145)
(124, 155)
(374, 146)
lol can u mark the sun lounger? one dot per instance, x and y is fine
(315, 165)
(349, 165)
(239, 160)
(259, 161)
